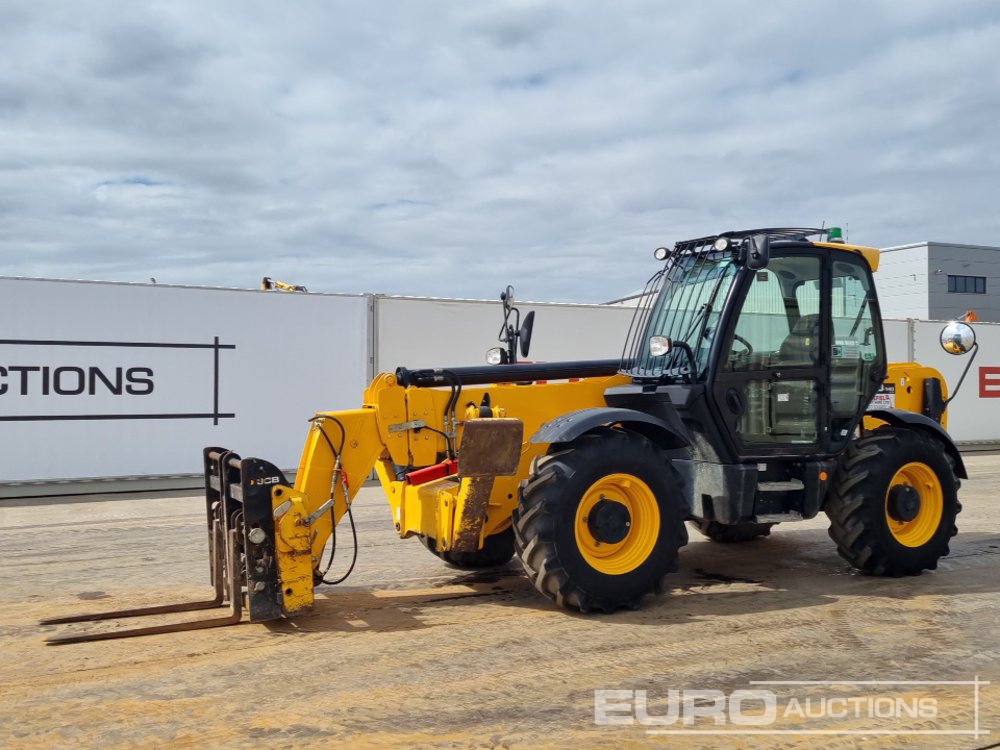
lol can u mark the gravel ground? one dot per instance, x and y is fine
(411, 653)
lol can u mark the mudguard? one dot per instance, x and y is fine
(573, 424)
(904, 418)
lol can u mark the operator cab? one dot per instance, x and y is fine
(768, 342)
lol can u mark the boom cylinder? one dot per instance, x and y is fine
(486, 374)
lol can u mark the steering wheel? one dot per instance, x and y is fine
(747, 344)
(738, 358)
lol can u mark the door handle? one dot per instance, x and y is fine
(734, 400)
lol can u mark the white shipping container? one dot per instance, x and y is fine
(102, 380)
(112, 380)
(420, 332)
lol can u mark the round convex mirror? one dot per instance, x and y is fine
(957, 337)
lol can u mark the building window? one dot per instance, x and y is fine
(967, 284)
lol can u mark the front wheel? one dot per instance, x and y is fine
(893, 503)
(600, 522)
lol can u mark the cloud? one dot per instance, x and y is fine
(449, 149)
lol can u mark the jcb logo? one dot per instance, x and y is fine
(264, 480)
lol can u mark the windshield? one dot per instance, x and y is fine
(688, 307)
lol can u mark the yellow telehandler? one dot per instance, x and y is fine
(753, 389)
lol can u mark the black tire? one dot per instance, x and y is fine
(859, 503)
(497, 550)
(729, 533)
(563, 483)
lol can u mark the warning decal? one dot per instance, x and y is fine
(885, 398)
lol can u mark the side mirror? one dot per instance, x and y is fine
(512, 331)
(958, 338)
(525, 333)
(758, 251)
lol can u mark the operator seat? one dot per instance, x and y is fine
(801, 346)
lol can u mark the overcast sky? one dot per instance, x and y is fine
(449, 149)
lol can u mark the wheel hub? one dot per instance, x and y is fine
(904, 503)
(609, 521)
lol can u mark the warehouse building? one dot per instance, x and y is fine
(940, 281)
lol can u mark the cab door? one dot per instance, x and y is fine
(769, 384)
(802, 355)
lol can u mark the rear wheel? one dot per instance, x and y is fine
(893, 504)
(601, 521)
(497, 550)
(731, 532)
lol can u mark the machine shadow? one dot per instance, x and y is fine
(790, 570)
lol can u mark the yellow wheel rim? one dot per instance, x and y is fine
(644, 524)
(919, 530)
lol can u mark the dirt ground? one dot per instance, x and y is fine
(411, 653)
